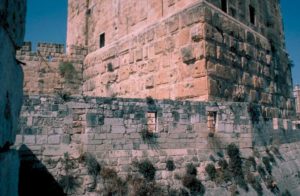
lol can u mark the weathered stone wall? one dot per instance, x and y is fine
(199, 53)
(12, 24)
(161, 61)
(87, 19)
(43, 69)
(297, 98)
(85, 23)
(111, 130)
(243, 65)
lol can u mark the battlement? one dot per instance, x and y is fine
(44, 72)
(49, 51)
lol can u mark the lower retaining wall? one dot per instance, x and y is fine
(117, 132)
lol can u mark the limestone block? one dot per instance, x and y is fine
(187, 54)
(173, 24)
(159, 47)
(195, 88)
(165, 76)
(149, 82)
(54, 139)
(197, 32)
(199, 69)
(163, 93)
(170, 44)
(9, 172)
(183, 37)
(29, 139)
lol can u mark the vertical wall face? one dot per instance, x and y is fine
(266, 15)
(207, 51)
(50, 71)
(87, 19)
(247, 61)
(297, 97)
(76, 29)
(11, 75)
(12, 15)
(165, 60)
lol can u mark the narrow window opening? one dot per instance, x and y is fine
(224, 5)
(88, 12)
(211, 123)
(232, 12)
(152, 122)
(252, 14)
(49, 58)
(102, 40)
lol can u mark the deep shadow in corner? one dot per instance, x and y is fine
(34, 178)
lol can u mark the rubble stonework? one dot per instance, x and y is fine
(12, 26)
(172, 80)
(111, 130)
(186, 50)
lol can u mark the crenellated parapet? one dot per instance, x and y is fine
(45, 68)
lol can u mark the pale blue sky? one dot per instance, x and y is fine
(46, 22)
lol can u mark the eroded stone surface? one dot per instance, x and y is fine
(184, 49)
(111, 130)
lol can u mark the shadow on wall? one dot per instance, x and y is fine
(34, 178)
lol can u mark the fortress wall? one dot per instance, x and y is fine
(297, 98)
(110, 129)
(197, 54)
(88, 19)
(161, 61)
(42, 70)
(244, 65)
(12, 29)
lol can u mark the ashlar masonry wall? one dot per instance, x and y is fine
(42, 69)
(111, 130)
(200, 53)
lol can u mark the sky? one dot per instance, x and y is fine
(47, 22)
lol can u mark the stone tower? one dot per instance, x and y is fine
(204, 50)
(297, 97)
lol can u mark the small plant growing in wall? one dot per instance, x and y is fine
(266, 161)
(69, 182)
(191, 182)
(254, 113)
(64, 96)
(235, 165)
(113, 184)
(148, 137)
(191, 169)
(255, 183)
(211, 171)
(93, 167)
(170, 165)
(68, 71)
(147, 169)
